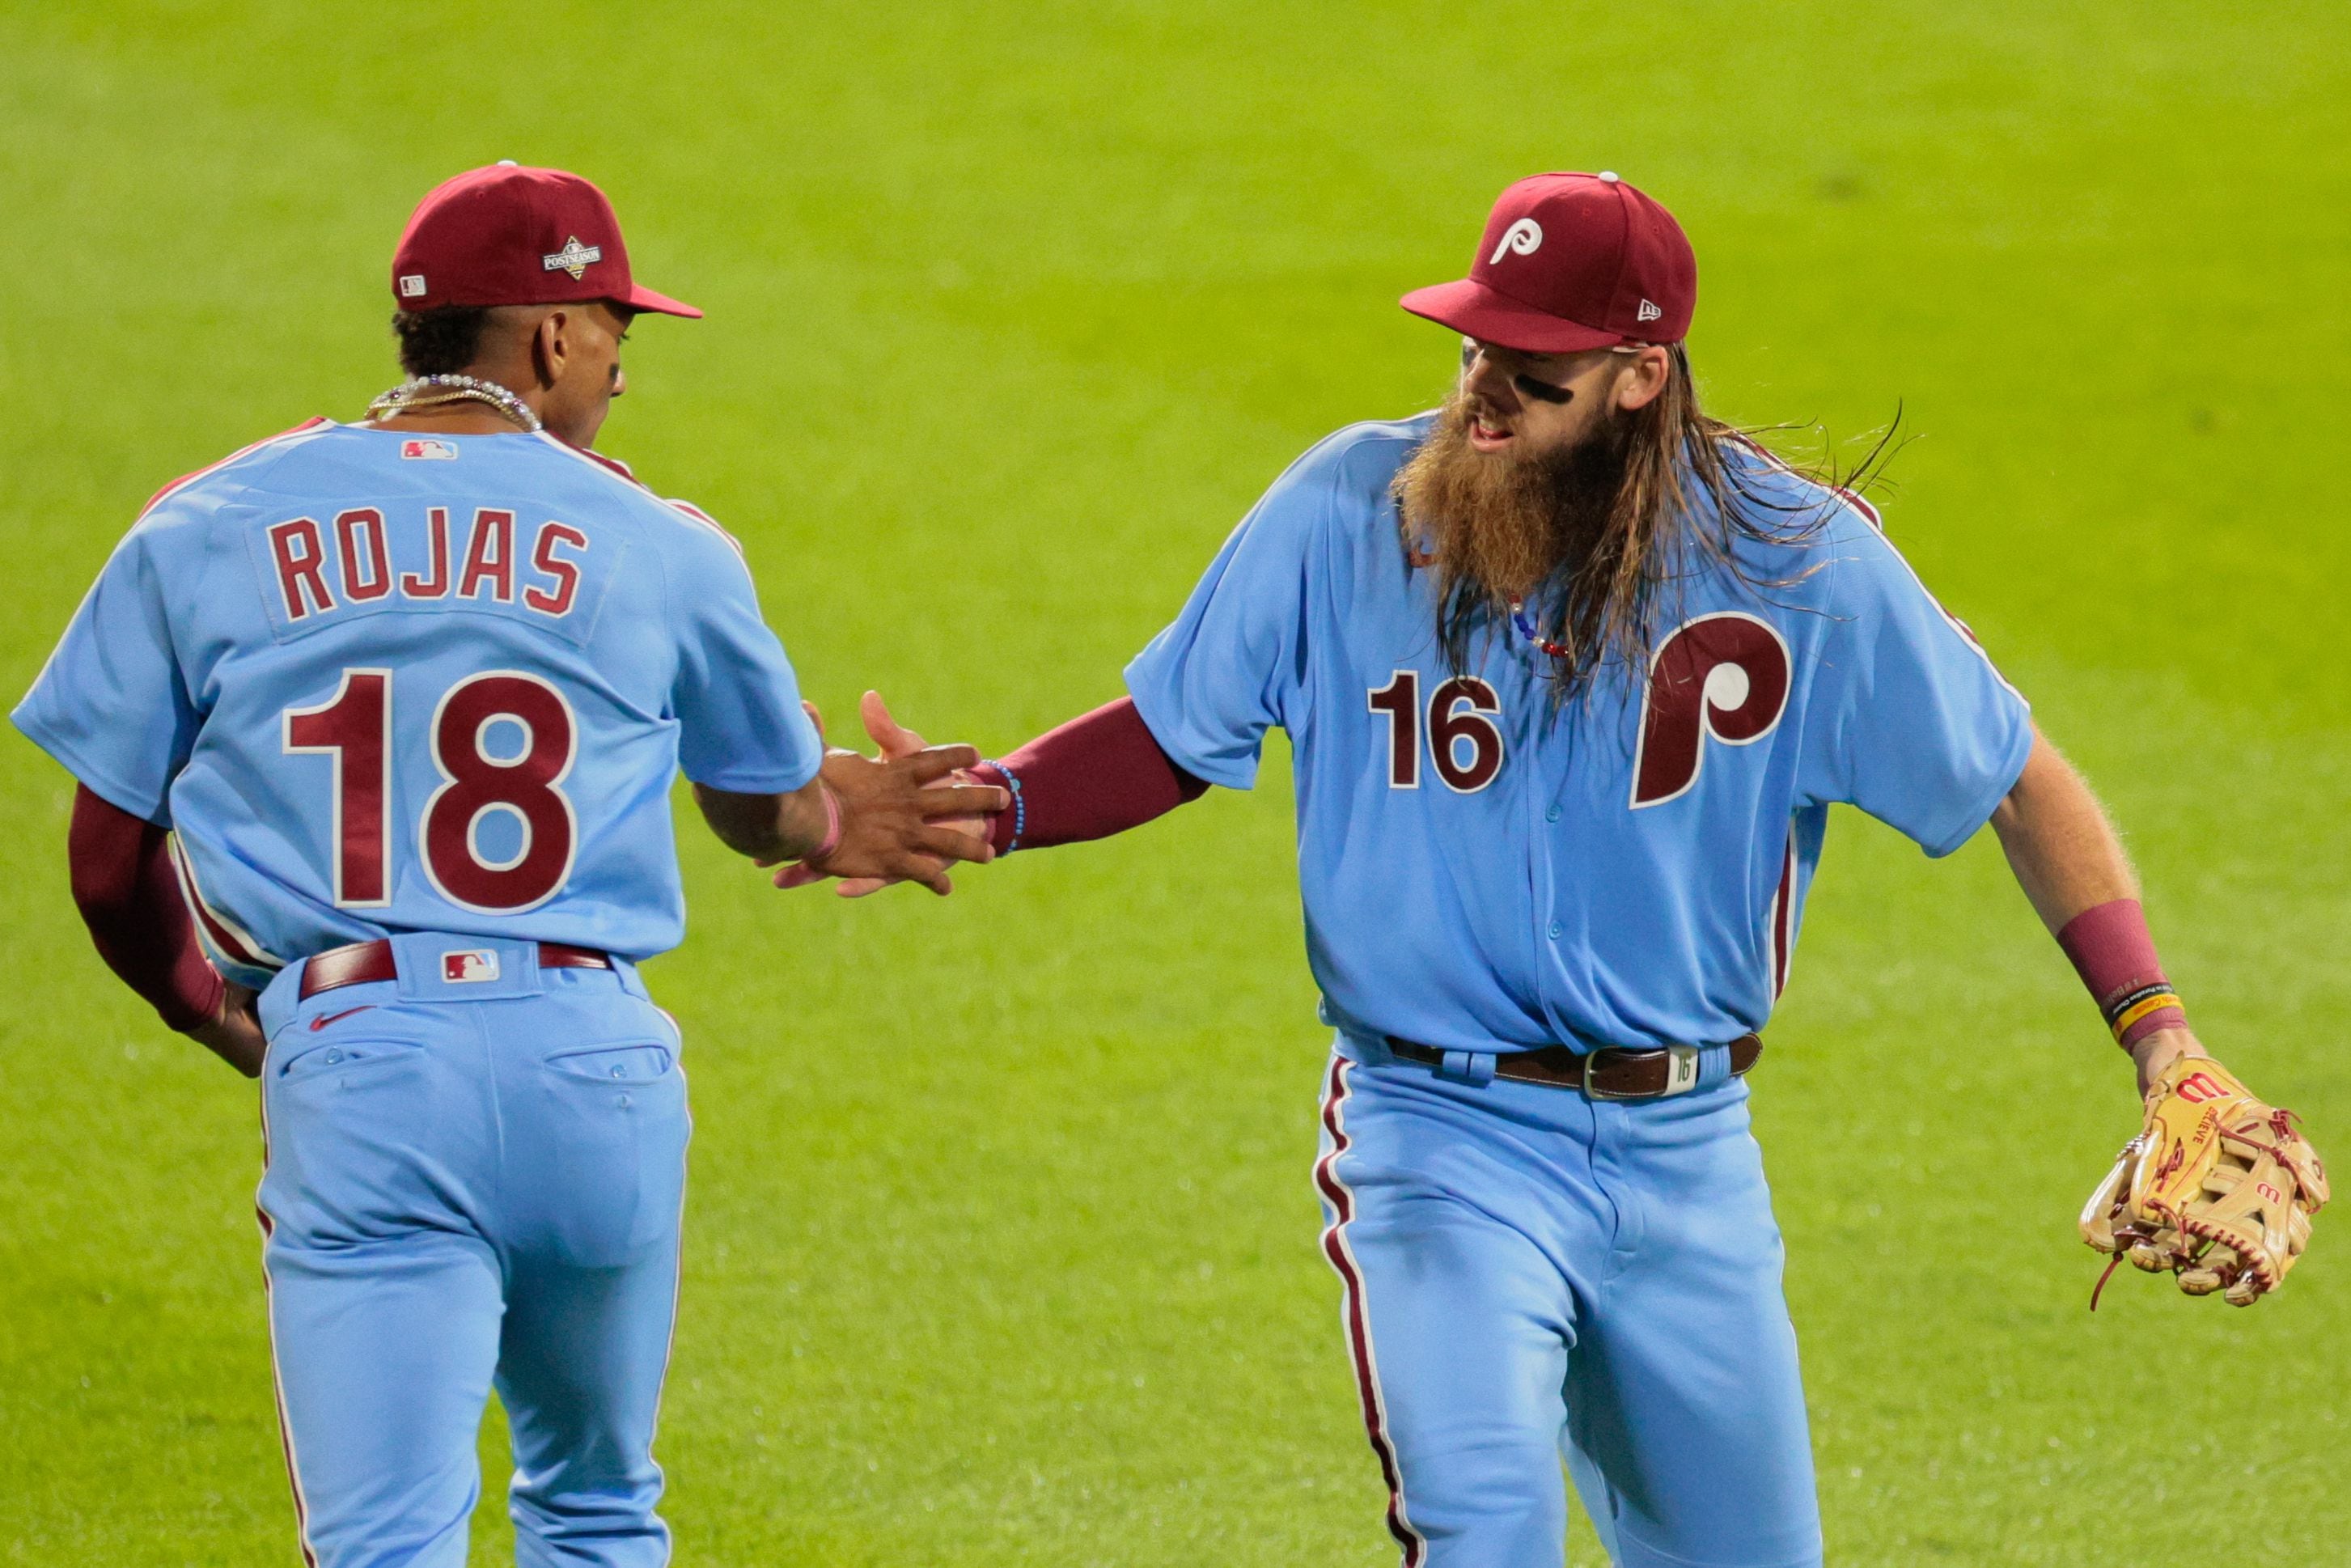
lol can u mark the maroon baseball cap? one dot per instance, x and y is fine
(511, 236)
(1572, 262)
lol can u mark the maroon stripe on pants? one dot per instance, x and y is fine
(1358, 1317)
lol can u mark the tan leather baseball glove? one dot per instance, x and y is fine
(2218, 1187)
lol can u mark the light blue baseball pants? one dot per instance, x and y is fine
(1529, 1274)
(471, 1182)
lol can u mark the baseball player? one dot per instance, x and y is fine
(1571, 675)
(397, 707)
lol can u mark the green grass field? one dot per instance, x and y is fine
(1000, 1247)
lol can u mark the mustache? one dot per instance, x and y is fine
(1549, 530)
(1500, 523)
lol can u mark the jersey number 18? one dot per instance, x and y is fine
(354, 727)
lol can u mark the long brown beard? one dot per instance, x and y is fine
(1502, 527)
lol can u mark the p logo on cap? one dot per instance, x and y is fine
(1523, 237)
(1568, 263)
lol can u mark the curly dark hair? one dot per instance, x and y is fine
(439, 342)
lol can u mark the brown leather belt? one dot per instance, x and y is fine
(364, 962)
(1610, 1074)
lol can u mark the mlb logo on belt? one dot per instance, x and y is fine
(472, 964)
(439, 451)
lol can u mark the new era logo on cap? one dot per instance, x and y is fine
(574, 257)
(1647, 312)
(469, 964)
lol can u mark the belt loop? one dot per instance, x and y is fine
(1713, 1065)
(1475, 1068)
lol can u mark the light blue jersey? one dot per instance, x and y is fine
(1529, 1271)
(379, 683)
(1483, 869)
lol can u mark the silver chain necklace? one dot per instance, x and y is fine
(432, 391)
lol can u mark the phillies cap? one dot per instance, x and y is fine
(512, 236)
(1572, 262)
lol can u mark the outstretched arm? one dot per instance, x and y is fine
(1099, 774)
(2070, 864)
(860, 817)
(2219, 1187)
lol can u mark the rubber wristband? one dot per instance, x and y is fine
(2133, 1016)
(832, 825)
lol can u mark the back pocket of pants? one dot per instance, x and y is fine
(315, 1059)
(354, 1128)
(609, 1134)
(614, 1063)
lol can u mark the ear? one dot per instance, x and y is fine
(1641, 377)
(550, 345)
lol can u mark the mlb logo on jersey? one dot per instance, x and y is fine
(470, 964)
(434, 451)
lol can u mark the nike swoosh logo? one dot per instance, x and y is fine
(323, 1019)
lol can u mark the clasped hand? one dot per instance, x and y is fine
(906, 816)
(954, 808)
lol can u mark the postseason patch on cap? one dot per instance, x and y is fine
(428, 451)
(574, 257)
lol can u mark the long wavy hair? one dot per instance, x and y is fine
(1684, 503)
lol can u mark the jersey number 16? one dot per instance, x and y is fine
(1465, 744)
(525, 783)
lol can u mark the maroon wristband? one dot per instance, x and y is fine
(2114, 953)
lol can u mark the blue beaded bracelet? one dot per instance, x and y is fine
(1020, 804)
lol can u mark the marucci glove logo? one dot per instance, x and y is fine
(1521, 239)
(574, 257)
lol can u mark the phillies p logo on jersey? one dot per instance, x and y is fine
(1724, 675)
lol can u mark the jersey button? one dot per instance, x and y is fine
(1556, 928)
(1551, 815)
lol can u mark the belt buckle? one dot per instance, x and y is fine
(1682, 1064)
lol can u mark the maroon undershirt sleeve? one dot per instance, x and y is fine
(1102, 773)
(131, 900)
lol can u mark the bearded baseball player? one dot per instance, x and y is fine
(397, 707)
(1572, 674)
